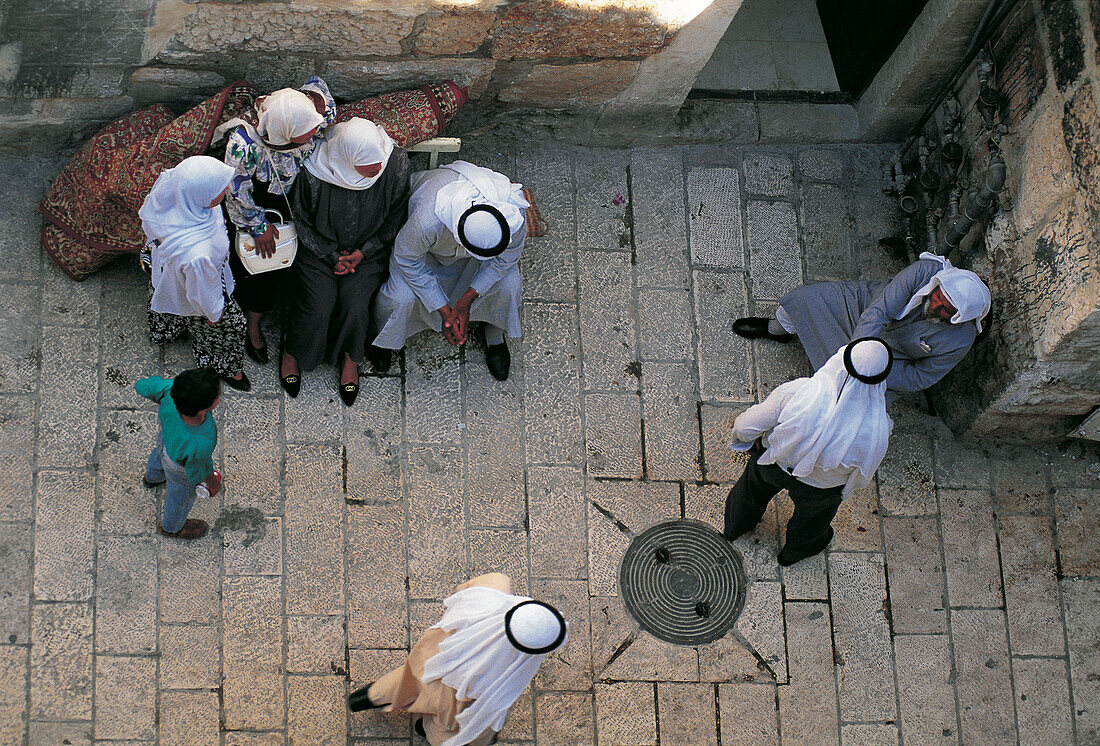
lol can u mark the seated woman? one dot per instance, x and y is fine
(190, 282)
(348, 206)
(266, 159)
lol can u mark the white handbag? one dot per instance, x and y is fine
(286, 247)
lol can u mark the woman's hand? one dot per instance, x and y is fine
(265, 244)
(347, 263)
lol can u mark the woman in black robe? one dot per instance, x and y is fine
(348, 205)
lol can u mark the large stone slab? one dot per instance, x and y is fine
(671, 414)
(983, 678)
(570, 666)
(549, 263)
(376, 576)
(1020, 483)
(126, 595)
(126, 354)
(621, 652)
(458, 31)
(189, 582)
(531, 30)
(826, 233)
(251, 543)
(252, 654)
(768, 174)
(365, 666)
(748, 714)
(1031, 585)
(317, 414)
(686, 713)
(189, 657)
(714, 218)
(188, 717)
(316, 710)
(664, 320)
(1042, 701)
(503, 551)
(915, 573)
(618, 511)
(775, 260)
(437, 559)
(725, 372)
(67, 405)
(252, 443)
(372, 441)
(861, 634)
(356, 79)
(125, 698)
(607, 321)
(926, 689)
(905, 482)
(433, 390)
(551, 384)
(626, 714)
(602, 194)
(613, 435)
(808, 706)
(660, 219)
(574, 86)
(63, 531)
(61, 662)
(314, 530)
(557, 522)
(22, 359)
(16, 581)
(970, 548)
(13, 693)
(1077, 550)
(495, 456)
(722, 464)
(17, 416)
(1081, 601)
(315, 644)
(123, 504)
(758, 650)
(564, 717)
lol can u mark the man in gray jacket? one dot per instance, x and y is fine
(929, 315)
(455, 261)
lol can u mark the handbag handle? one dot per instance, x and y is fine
(279, 181)
(276, 213)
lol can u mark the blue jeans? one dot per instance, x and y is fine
(179, 496)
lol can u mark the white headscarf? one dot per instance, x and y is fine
(479, 662)
(285, 114)
(356, 142)
(479, 186)
(964, 290)
(177, 209)
(835, 420)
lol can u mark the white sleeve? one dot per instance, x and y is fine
(202, 281)
(760, 418)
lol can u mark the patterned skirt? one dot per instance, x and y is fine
(219, 346)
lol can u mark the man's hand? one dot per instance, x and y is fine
(347, 263)
(456, 322)
(265, 244)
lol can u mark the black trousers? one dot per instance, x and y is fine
(258, 293)
(814, 507)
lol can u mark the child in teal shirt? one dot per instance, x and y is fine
(182, 457)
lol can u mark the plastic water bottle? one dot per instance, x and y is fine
(203, 488)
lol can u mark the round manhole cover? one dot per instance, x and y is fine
(683, 582)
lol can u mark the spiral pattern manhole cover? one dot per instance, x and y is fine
(683, 582)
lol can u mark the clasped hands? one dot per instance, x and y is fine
(347, 263)
(456, 319)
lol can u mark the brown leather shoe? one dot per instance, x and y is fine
(193, 528)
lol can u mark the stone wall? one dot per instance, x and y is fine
(68, 66)
(1037, 374)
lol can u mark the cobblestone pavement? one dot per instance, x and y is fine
(959, 601)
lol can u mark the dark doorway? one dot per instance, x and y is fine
(862, 34)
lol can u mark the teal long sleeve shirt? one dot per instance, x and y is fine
(190, 446)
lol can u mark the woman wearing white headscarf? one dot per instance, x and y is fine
(190, 281)
(469, 668)
(266, 154)
(455, 261)
(929, 314)
(819, 438)
(349, 205)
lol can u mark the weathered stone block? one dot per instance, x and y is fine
(126, 595)
(856, 524)
(612, 429)
(65, 303)
(16, 557)
(635, 505)
(495, 456)
(861, 633)
(1031, 585)
(823, 164)
(926, 688)
(126, 698)
(251, 544)
(437, 560)
(602, 193)
(189, 657)
(66, 407)
(459, 31)
(1042, 701)
(659, 226)
(188, 717)
(917, 603)
(1077, 550)
(366, 666)
(569, 667)
(61, 662)
(531, 30)
(372, 439)
(558, 535)
(314, 532)
(167, 83)
(316, 415)
(625, 714)
(686, 713)
(376, 571)
(748, 716)
(571, 86)
(316, 709)
(607, 321)
(768, 174)
(551, 384)
(252, 441)
(1045, 173)
(315, 644)
(252, 653)
(706, 502)
(433, 390)
(724, 366)
(1081, 602)
(775, 261)
(970, 548)
(659, 311)
(1020, 483)
(671, 416)
(354, 79)
(808, 706)
(77, 734)
(983, 679)
(621, 652)
(13, 693)
(503, 551)
(905, 483)
(17, 416)
(714, 217)
(549, 263)
(64, 527)
(722, 463)
(123, 504)
(826, 232)
(189, 582)
(564, 717)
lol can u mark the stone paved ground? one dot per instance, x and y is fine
(958, 603)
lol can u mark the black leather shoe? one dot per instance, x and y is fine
(755, 327)
(380, 358)
(735, 533)
(241, 384)
(291, 384)
(348, 392)
(788, 558)
(498, 360)
(259, 354)
(359, 700)
(418, 726)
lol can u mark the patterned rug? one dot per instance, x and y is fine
(91, 209)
